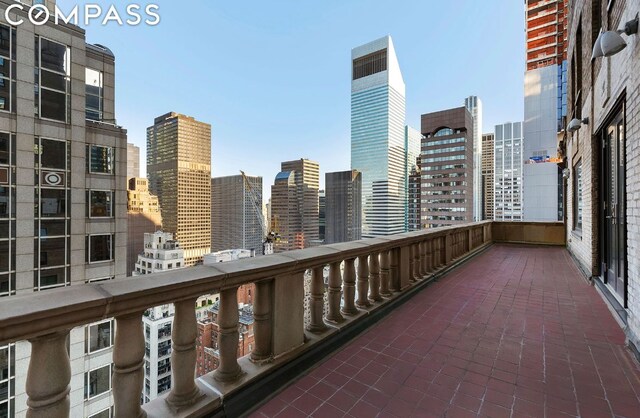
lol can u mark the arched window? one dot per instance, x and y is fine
(444, 132)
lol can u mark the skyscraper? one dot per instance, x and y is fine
(545, 107)
(474, 105)
(414, 197)
(63, 167)
(179, 172)
(235, 217)
(344, 206)
(322, 215)
(508, 172)
(294, 205)
(378, 136)
(412, 144)
(143, 216)
(488, 167)
(133, 161)
(447, 168)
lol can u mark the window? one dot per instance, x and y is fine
(100, 336)
(444, 132)
(100, 248)
(370, 64)
(102, 414)
(100, 159)
(577, 196)
(94, 94)
(98, 381)
(100, 204)
(52, 81)
(7, 68)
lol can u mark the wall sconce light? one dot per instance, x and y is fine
(576, 124)
(611, 42)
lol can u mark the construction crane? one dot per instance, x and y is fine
(271, 236)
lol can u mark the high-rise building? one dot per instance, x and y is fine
(143, 216)
(474, 105)
(412, 144)
(545, 107)
(179, 172)
(294, 205)
(344, 206)
(133, 161)
(488, 167)
(63, 166)
(161, 253)
(508, 172)
(378, 136)
(447, 168)
(322, 215)
(414, 197)
(235, 213)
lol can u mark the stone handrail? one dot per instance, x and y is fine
(386, 267)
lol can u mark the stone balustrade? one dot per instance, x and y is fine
(364, 277)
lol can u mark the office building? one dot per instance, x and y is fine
(63, 166)
(236, 213)
(179, 172)
(344, 206)
(412, 144)
(133, 161)
(447, 168)
(161, 253)
(545, 107)
(488, 167)
(508, 172)
(414, 197)
(378, 136)
(322, 215)
(474, 105)
(143, 216)
(294, 205)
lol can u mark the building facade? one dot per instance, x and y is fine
(545, 107)
(179, 172)
(143, 216)
(322, 215)
(414, 197)
(378, 136)
(447, 168)
(344, 206)
(602, 158)
(133, 161)
(412, 144)
(474, 105)
(294, 205)
(508, 172)
(488, 182)
(236, 210)
(62, 193)
(161, 253)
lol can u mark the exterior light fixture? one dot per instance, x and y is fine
(576, 124)
(611, 42)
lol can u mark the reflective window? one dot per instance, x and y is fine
(444, 132)
(94, 94)
(100, 159)
(100, 336)
(52, 80)
(7, 68)
(100, 248)
(98, 381)
(53, 252)
(102, 414)
(577, 196)
(53, 154)
(100, 204)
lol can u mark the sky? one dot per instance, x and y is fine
(273, 77)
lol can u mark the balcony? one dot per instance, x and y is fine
(491, 318)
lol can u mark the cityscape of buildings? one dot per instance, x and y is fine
(74, 208)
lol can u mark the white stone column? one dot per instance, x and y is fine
(128, 360)
(229, 370)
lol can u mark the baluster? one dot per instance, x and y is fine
(412, 263)
(385, 273)
(416, 262)
(374, 277)
(128, 361)
(349, 291)
(48, 377)
(429, 256)
(335, 292)
(363, 282)
(262, 349)
(317, 300)
(394, 276)
(228, 336)
(184, 391)
(423, 259)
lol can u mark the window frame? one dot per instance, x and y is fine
(88, 336)
(112, 251)
(578, 191)
(87, 381)
(67, 77)
(89, 203)
(89, 163)
(100, 96)
(12, 68)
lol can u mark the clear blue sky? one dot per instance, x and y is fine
(273, 77)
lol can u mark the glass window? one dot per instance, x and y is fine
(94, 94)
(100, 336)
(51, 278)
(102, 414)
(53, 203)
(52, 80)
(100, 204)
(577, 196)
(100, 248)
(54, 56)
(7, 68)
(53, 105)
(98, 382)
(100, 159)
(444, 132)
(53, 154)
(52, 252)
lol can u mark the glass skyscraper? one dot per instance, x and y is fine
(378, 136)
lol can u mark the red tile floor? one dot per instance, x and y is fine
(515, 332)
